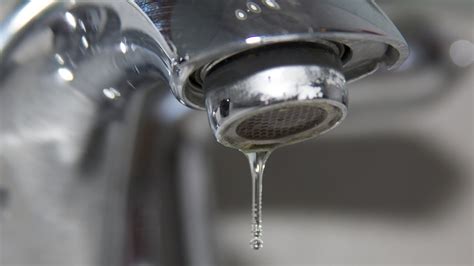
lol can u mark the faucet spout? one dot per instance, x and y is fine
(86, 152)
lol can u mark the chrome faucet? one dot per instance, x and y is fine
(86, 133)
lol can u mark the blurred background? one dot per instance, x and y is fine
(391, 186)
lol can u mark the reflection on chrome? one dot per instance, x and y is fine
(254, 7)
(240, 14)
(84, 42)
(272, 4)
(111, 93)
(59, 59)
(123, 47)
(253, 40)
(71, 20)
(65, 74)
(462, 53)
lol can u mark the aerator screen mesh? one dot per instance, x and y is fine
(281, 122)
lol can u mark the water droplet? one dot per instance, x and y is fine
(257, 162)
(256, 243)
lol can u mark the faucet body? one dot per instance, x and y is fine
(81, 134)
(87, 135)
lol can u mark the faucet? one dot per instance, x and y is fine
(88, 135)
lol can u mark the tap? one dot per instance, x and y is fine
(89, 137)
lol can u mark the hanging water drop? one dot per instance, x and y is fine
(257, 165)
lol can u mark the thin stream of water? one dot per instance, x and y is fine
(257, 162)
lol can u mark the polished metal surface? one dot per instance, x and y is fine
(79, 86)
(258, 102)
(203, 33)
(88, 135)
(279, 90)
